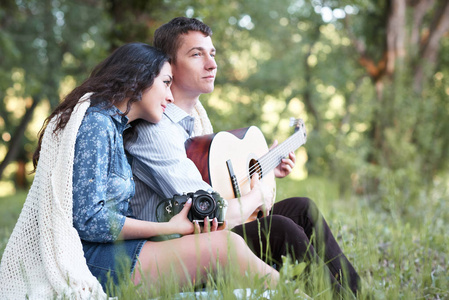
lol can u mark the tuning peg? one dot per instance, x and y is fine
(294, 122)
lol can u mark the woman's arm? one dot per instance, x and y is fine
(101, 179)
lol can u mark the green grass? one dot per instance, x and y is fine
(10, 208)
(400, 254)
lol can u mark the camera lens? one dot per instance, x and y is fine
(203, 206)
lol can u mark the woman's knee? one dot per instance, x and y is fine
(222, 241)
(236, 240)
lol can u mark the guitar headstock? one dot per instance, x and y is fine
(299, 126)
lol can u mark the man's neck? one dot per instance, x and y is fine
(184, 100)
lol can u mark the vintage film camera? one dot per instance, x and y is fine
(204, 204)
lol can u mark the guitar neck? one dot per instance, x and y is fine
(273, 158)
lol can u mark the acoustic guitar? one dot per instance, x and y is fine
(228, 159)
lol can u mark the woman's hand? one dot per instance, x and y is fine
(181, 223)
(208, 227)
(286, 165)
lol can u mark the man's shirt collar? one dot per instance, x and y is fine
(174, 113)
(179, 116)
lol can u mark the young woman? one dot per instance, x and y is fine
(133, 83)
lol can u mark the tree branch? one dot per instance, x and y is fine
(420, 9)
(374, 69)
(439, 26)
(430, 46)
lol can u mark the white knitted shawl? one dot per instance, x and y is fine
(44, 256)
(202, 124)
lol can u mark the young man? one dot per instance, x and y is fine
(161, 167)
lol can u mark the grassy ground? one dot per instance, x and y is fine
(10, 208)
(398, 255)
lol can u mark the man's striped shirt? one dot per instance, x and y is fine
(159, 162)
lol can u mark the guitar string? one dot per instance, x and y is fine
(267, 165)
(297, 123)
(272, 163)
(275, 153)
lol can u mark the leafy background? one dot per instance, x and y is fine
(369, 78)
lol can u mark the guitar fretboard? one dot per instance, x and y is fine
(272, 159)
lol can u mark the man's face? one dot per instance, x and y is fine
(195, 68)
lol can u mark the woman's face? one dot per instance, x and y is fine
(155, 98)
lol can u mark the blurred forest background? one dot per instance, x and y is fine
(370, 78)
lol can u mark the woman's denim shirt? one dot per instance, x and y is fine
(102, 178)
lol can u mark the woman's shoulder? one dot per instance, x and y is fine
(98, 115)
(98, 112)
(97, 120)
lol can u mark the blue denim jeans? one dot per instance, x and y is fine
(117, 259)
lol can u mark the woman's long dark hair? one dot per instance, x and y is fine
(125, 74)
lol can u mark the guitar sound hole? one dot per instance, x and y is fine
(254, 166)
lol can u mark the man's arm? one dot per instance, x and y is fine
(260, 198)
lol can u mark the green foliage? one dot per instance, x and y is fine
(276, 59)
(45, 47)
(399, 254)
(381, 139)
(360, 127)
(43, 34)
(10, 208)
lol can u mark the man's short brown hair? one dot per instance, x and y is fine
(167, 38)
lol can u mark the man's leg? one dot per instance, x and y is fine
(289, 230)
(305, 213)
(275, 236)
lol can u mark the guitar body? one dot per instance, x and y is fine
(242, 147)
(228, 159)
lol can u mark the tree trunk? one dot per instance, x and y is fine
(310, 107)
(21, 181)
(395, 34)
(16, 140)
